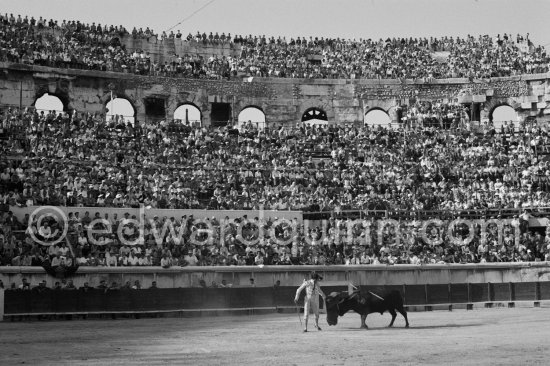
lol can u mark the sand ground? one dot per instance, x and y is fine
(477, 337)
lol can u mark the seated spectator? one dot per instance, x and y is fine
(25, 285)
(42, 287)
(69, 285)
(166, 261)
(86, 287)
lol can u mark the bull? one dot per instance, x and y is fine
(339, 303)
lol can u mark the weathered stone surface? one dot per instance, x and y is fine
(282, 100)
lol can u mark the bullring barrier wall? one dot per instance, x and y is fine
(267, 276)
(217, 300)
(179, 289)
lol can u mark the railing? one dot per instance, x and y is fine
(427, 214)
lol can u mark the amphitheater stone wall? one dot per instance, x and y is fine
(282, 100)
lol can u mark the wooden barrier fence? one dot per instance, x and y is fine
(181, 300)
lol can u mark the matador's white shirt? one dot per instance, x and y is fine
(313, 290)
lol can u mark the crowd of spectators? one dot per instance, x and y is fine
(81, 160)
(72, 44)
(432, 160)
(260, 242)
(435, 114)
(68, 285)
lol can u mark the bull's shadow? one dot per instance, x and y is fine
(412, 327)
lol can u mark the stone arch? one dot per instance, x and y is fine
(59, 89)
(501, 110)
(491, 104)
(509, 111)
(377, 116)
(106, 98)
(315, 115)
(120, 106)
(253, 114)
(49, 101)
(188, 112)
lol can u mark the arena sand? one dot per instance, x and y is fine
(478, 337)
